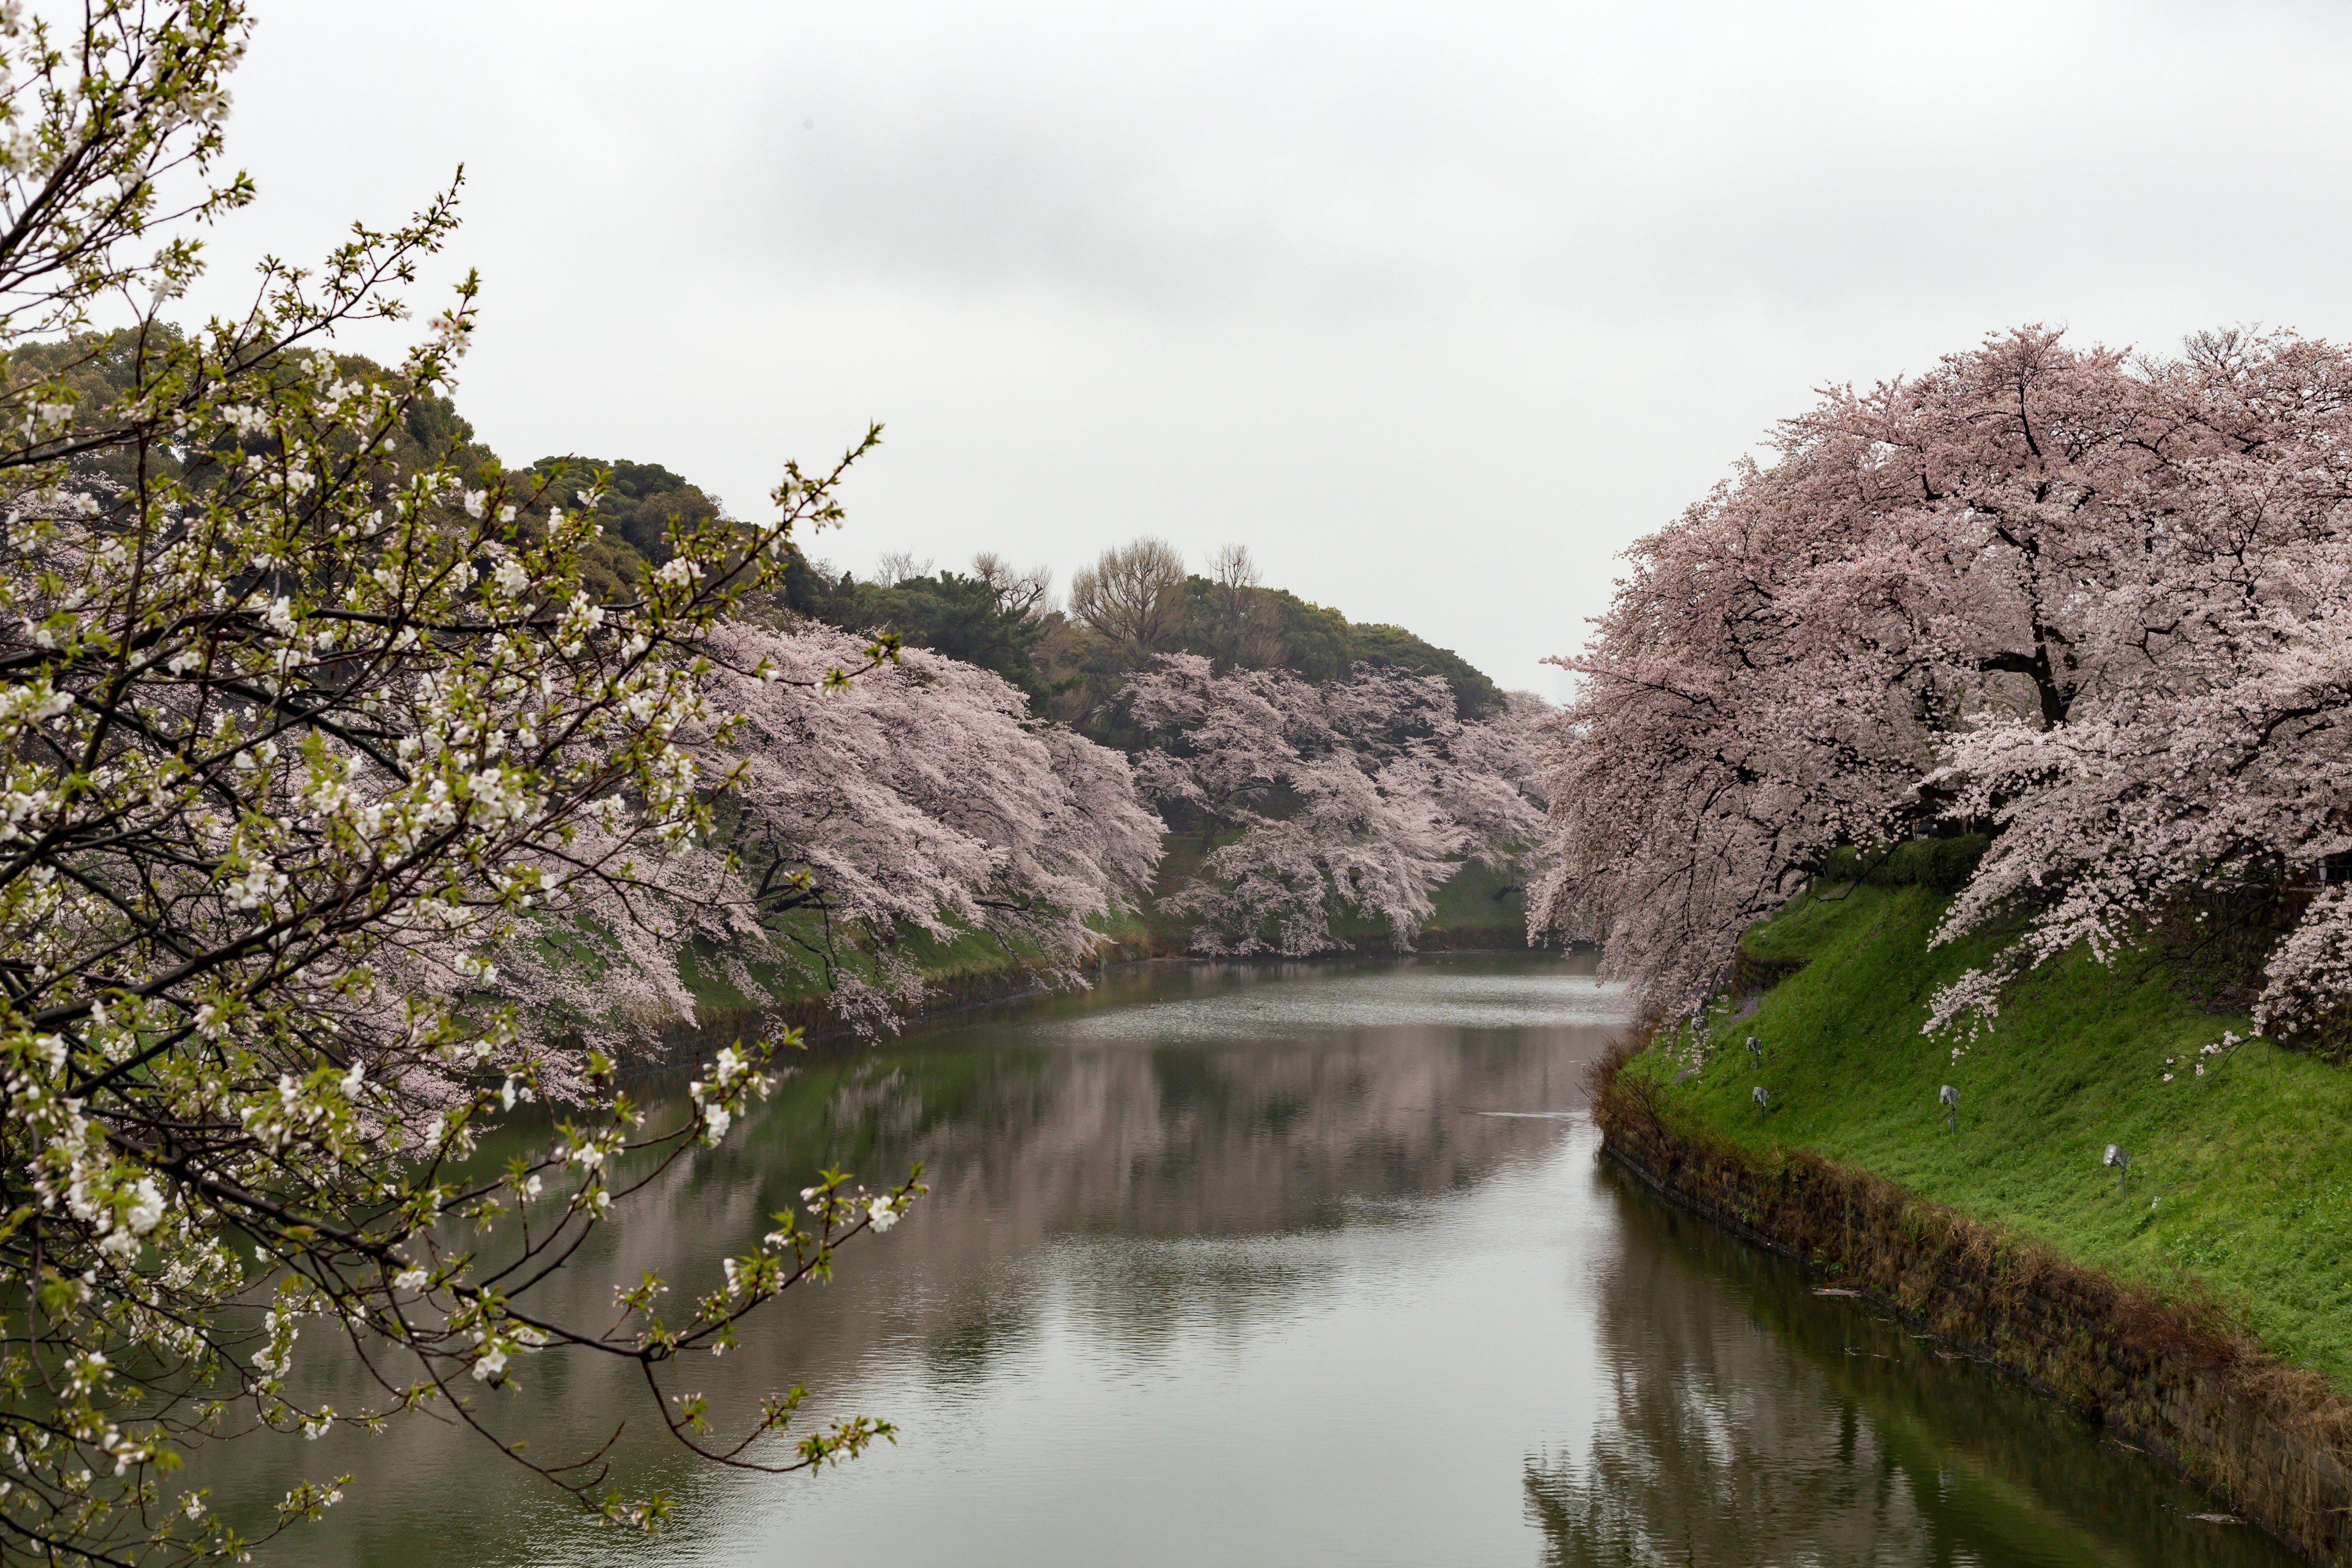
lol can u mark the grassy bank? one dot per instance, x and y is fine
(2241, 1179)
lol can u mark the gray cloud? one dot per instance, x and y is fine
(1437, 307)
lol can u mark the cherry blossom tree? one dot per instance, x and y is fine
(293, 739)
(919, 799)
(1363, 794)
(2089, 601)
(1748, 701)
(2200, 746)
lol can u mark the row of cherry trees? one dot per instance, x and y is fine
(859, 816)
(921, 801)
(2093, 603)
(1362, 795)
(859, 819)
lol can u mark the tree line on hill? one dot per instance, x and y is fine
(1135, 603)
(1136, 621)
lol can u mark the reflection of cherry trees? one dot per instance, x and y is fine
(2095, 604)
(1363, 794)
(1032, 1134)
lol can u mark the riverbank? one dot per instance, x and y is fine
(2205, 1313)
(1478, 910)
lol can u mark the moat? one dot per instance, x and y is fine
(1273, 1265)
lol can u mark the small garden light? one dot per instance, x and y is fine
(2122, 1162)
(1756, 1049)
(1763, 1098)
(1951, 1101)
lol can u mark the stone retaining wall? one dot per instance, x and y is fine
(2170, 1377)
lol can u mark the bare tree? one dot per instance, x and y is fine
(1134, 593)
(1235, 571)
(897, 566)
(1029, 592)
(1244, 632)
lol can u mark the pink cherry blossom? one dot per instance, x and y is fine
(1363, 794)
(2093, 603)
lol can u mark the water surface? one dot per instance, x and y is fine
(1252, 1264)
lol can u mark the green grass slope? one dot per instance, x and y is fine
(2241, 1179)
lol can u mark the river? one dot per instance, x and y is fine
(1269, 1265)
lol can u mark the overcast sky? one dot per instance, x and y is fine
(1436, 307)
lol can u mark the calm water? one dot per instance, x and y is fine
(1247, 1265)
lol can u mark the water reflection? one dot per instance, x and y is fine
(1754, 1421)
(1262, 1267)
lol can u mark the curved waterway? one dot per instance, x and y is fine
(1256, 1265)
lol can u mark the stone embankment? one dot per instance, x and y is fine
(2167, 1376)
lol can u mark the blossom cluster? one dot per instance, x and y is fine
(1364, 794)
(2090, 605)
